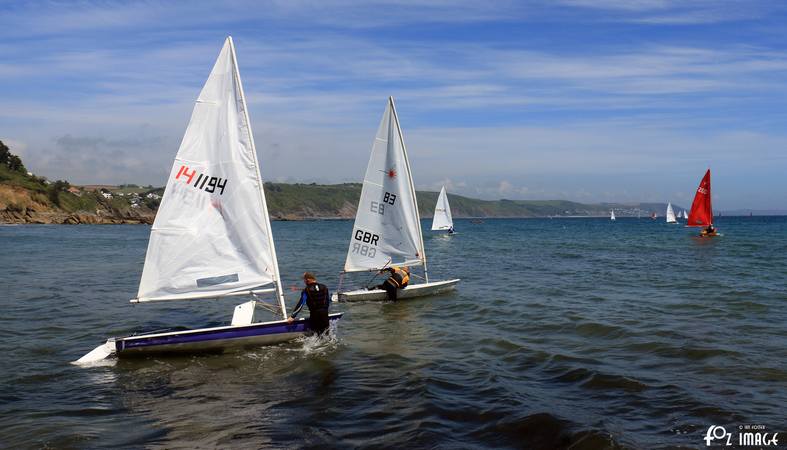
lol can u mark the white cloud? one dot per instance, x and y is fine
(678, 12)
(559, 120)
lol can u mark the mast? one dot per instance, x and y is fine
(266, 217)
(412, 188)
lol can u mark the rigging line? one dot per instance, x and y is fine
(378, 273)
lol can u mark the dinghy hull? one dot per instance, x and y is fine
(411, 291)
(214, 340)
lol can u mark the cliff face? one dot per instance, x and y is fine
(23, 204)
(29, 215)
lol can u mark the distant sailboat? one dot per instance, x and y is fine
(611, 214)
(212, 236)
(442, 214)
(701, 214)
(670, 214)
(387, 229)
(685, 214)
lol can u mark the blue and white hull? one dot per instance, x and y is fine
(216, 339)
(204, 340)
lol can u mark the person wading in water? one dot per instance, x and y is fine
(315, 296)
(399, 279)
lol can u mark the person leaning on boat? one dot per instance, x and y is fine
(315, 296)
(399, 279)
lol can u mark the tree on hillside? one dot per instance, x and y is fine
(15, 164)
(9, 159)
(54, 190)
(4, 153)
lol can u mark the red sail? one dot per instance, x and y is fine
(701, 214)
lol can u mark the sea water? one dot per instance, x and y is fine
(565, 332)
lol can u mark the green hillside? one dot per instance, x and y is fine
(26, 198)
(299, 201)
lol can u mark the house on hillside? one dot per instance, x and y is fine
(107, 195)
(75, 190)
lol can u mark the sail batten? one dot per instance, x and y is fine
(387, 229)
(211, 236)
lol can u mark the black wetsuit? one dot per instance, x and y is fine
(317, 298)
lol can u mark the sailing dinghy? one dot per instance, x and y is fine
(670, 214)
(701, 214)
(611, 214)
(442, 214)
(212, 235)
(387, 229)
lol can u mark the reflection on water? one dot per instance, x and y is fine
(563, 334)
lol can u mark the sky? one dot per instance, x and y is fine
(584, 100)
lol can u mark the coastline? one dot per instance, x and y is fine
(32, 217)
(26, 216)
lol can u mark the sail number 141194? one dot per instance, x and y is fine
(203, 182)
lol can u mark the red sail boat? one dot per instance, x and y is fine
(701, 214)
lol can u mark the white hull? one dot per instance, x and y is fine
(411, 291)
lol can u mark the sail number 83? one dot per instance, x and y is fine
(379, 207)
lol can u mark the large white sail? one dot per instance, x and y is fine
(670, 214)
(442, 213)
(387, 228)
(212, 235)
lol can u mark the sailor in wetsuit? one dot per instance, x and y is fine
(315, 296)
(399, 279)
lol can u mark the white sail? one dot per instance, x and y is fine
(611, 214)
(685, 214)
(670, 214)
(442, 213)
(212, 234)
(387, 228)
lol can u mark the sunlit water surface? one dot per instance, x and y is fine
(576, 333)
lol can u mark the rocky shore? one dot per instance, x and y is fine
(31, 215)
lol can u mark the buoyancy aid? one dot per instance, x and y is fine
(317, 296)
(399, 277)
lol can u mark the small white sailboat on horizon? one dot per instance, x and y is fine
(670, 214)
(212, 235)
(387, 228)
(612, 214)
(442, 220)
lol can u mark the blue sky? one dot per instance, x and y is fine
(587, 100)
